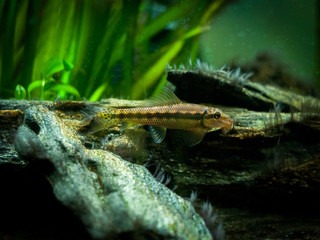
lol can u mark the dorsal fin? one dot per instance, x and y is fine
(165, 97)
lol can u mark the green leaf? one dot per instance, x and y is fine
(47, 86)
(20, 92)
(34, 85)
(54, 65)
(99, 49)
(157, 69)
(193, 32)
(98, 92)
(162, 82)
(7, 44)
(213, 8)
(172, 14)
(1, 7)
(65, 88)
(129, 50)
(68, 66)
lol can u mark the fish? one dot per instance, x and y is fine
(166, 111)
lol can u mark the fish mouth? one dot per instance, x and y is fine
(214, 129)
(225, 126)
(228, 127)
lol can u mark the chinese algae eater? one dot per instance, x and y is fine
(165, 111)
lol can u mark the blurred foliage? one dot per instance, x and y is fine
(95, 48)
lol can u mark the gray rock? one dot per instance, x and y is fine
(110, 195)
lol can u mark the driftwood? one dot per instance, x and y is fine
(267, 160)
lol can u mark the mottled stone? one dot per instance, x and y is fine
(109, 194)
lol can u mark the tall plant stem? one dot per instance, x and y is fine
(8, 45)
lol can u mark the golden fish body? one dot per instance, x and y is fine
(178, 116)
(167, 111)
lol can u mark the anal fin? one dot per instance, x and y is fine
(157, 132)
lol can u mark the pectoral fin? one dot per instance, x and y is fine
(96, 125)
(192, 137)
(158, 133)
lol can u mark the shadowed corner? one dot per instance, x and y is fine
(30, 210)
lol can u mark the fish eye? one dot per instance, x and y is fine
(217, 115)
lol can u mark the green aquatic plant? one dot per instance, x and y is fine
(94, 49)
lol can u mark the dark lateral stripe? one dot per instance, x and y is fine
(177, 115)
